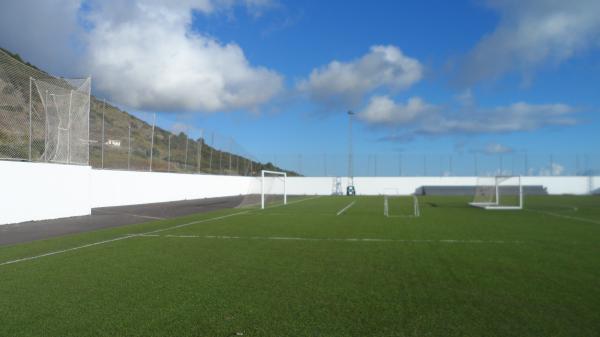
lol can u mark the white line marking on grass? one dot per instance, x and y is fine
(291, 202)
(346, 208)
(128, 236)
(565, 216)
(66, 250)
(196, 222)
(283, 238)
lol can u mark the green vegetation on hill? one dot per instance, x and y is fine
(131, 137)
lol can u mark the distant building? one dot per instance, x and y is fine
(114, 142)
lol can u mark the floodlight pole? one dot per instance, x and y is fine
(350, 154)
(30, 125)
(152, 142)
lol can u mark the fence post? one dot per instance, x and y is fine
(200, 143)
(169, 155)
(129, 147)
(186, 152)
(30, 125)
(152, 142)
(102, 141)
(230, 149)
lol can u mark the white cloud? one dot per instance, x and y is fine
(530, 34)
(151, 60)
(419, 117)
(141, 53)
(495, 148)
(346, 83)
(383, 110)
(45, 33)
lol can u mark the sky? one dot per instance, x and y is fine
(435, 78)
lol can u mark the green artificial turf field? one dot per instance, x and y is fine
(302, 270)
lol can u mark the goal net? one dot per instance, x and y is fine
(65, 103)
(499, 192)
(272, 188)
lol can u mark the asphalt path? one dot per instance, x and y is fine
(107, 217)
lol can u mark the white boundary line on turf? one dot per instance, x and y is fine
(284, 238)
(128, 236)
(66, 250)
(565, 216)
(346, 208)
(293, 202)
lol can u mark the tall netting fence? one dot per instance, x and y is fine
(42, 118)
(438, 165)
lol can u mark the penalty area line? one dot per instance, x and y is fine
(346, 208)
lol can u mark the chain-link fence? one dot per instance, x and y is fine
(438, 165)
(42, 118)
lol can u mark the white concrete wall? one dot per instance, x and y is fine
(116, 188)
(38, 191)
(408, 185)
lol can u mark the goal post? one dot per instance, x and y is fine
(499, 192)
(272, 188)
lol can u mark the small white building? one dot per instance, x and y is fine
(114, 142)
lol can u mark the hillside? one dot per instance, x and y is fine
(127, 139)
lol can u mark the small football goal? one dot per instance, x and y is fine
(272, 188)
(499, 192)
(396, 205)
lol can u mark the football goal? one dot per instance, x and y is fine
(499, 192)
(272, 188)
(396, 205)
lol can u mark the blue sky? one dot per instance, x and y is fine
(497, 77)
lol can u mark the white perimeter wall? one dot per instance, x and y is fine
(116, 188)
(408, 185)
(37, 191)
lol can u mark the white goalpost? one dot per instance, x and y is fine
(272, 188)
(499, 192)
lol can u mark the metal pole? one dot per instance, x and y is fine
(129, 148)
(30, 125)
(551, 165)
(230, 149)
(200, 143)
(102, 143)
(169, 154)
(69, 129)
(152, 142)
(186, 152)
(212, 149)
(350, 151)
